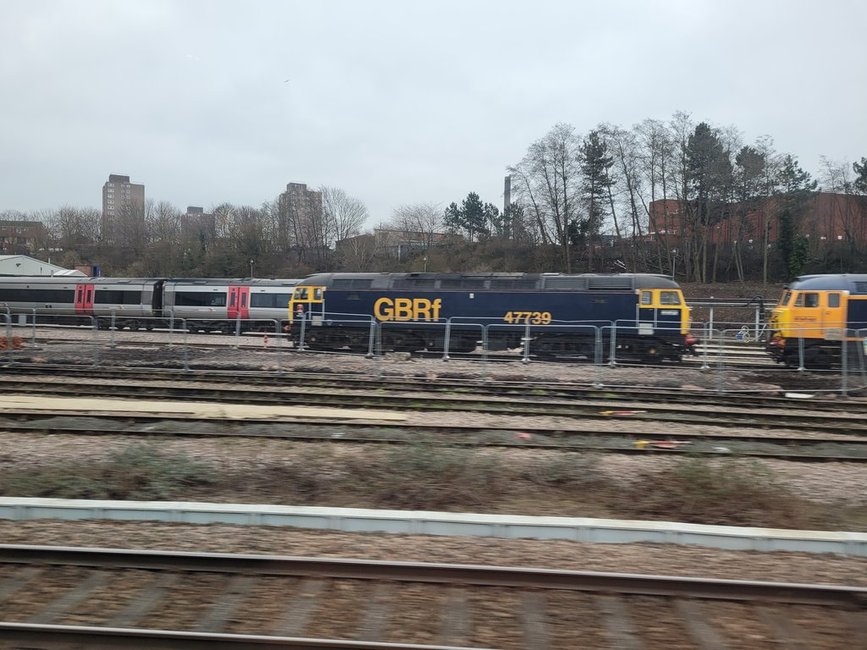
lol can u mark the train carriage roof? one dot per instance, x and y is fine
(492, 281)
(855, 283)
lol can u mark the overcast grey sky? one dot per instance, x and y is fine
(396, 102)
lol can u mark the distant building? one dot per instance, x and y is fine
(122, 201)
(200, 224)
(31, 267)
(22, 236)
(299, 217)
(392, 242)
(825, 216)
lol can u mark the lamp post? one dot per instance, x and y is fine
(251, 269)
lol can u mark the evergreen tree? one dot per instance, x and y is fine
(452, 218)
(474, 218)
(708, 176)
(795, 188)
(471, 217)
(860, 170)
(596, 180)
(513, 221)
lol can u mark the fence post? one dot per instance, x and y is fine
(526, 356)
(612, 350)
(801, 354)
(844, 379)
(371, 339)
(9, 345)
(301, 334)
(758, 307)
(33, 335)
(708, 336)
(95, 325)
(238, 332)
(447, 339)
(721, 361)
(111, 342)
(484, 342)
(184, 344)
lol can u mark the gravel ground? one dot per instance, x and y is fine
(629, 558)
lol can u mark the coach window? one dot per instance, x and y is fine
(833, 300)
(811, 300)
(646, 297)
(669, 298)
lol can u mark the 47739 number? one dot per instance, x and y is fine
(528, 317)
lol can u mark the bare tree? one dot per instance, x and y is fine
(550, 181)
(344, 215)
(74, 230)
(419, 220)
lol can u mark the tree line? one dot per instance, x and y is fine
(580, 202)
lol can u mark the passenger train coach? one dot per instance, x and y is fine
(145, 303)
(334, 311)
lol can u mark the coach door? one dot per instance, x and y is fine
(239, 302)
(84, 299)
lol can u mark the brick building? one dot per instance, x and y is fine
(826, 216)
(22, 236)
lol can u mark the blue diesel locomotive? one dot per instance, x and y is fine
(562, 315)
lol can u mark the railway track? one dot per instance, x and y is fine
(438, 385)
(631, 442)
(54, 596)
(584, 409)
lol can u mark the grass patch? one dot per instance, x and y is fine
(425, 476)
(137, 472)
(710, 491)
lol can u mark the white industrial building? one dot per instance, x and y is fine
(30, 267)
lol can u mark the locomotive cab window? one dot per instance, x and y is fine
(811, 300)
(799, 301)
(833, 300)
(669, 298)
(785, 299)
(646, 297)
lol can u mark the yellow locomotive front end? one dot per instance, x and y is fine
(810, 320)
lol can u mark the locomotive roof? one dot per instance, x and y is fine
(563, 281)
(851, 282)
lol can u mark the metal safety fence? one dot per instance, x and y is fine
(724, 349)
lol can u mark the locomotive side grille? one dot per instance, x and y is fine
(413, 283)
(565, 282)
(606, 283)
(513, 283)
(351, 283)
